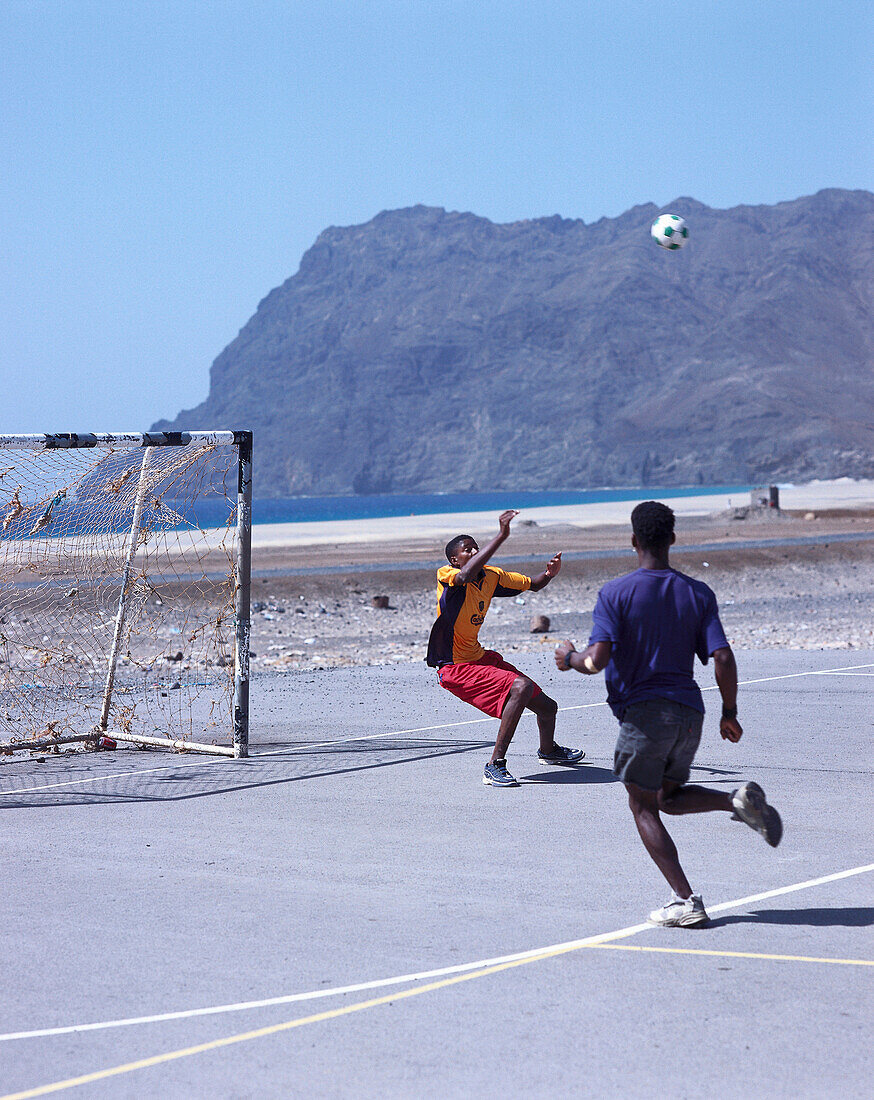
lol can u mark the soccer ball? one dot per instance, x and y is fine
(669, 230)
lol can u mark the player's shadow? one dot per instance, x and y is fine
(714, 771)
(588, 773)
(858, 917)
(581, 773)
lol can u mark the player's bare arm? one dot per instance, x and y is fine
(553, 567)
(725, 670)
(470, 559)
(590, 661)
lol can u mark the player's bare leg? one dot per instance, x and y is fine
(656, 838)
(545, 710)
(518, 698)
(692, 799)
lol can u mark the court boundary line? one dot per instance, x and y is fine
(375, 737)
(345, 1010)
(379, 983)
(728, 954)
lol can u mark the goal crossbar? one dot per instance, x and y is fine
(55, 441)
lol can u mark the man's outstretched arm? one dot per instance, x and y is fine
(725, 670)
(590, 661)
(553, 566)
(473, 567)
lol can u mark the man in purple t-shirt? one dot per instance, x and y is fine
(648, 627)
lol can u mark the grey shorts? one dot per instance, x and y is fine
(658, 740)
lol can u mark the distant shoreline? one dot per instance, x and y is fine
(736, 546)
(431, 529)
(326, 509)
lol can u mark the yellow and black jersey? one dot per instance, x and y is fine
(461, 609)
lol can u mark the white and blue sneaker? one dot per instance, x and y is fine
(495, 774)
(559, 755)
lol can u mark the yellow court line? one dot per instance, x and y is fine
(288, 1025)
(726, 954)
(274, 1029)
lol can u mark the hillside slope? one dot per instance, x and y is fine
(428, 350)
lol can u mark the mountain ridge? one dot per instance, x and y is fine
(431, 350)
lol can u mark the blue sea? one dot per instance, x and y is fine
(309, 509)
(213, 511)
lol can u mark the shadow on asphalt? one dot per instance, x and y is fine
(588, 773)
(715, 771)
(861, 917)
(264, 771)
(583, 773)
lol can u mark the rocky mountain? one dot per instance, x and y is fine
(430, 350)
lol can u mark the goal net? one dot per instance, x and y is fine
(124, 602)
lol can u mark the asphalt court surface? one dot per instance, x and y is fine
(358, 848)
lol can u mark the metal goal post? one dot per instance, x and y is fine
(125, 580)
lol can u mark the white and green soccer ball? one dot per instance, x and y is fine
(669, 230)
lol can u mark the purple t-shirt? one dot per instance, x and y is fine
(656, 620)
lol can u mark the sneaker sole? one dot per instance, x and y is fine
(773, 827)
(764, 819)
(492, 783)
(688, 920)
(561, 763)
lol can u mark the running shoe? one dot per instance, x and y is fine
(496, 775)
(559, 755)
(751, 807)
(680, 914)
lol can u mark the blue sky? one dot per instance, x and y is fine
(164, 165)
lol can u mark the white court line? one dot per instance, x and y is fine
(374, 737)
(791, 675)
(403, 979)
(856, 675)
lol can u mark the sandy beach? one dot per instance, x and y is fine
(801, 578)
(434, 529)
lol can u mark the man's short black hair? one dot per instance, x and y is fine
(653, 525)
(454, 544)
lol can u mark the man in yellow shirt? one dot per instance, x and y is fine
(481, 677)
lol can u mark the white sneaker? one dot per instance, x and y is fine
(680, 914)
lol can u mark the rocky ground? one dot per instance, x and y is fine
(790, 596)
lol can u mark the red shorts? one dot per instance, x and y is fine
(484, 684)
